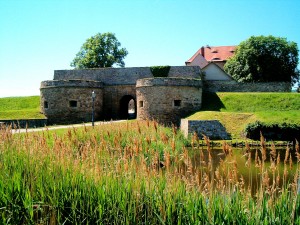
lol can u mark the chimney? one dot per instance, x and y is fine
(202, 51)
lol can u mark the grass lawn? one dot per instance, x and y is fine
(234, 122)
(250, 102)
(20, 108)
(236, 110)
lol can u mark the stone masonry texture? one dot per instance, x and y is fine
(210, 128)
(167, 100)
(56, 99)
(233, 86)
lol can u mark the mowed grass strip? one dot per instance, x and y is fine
(20, 108)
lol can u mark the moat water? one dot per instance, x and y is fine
(248, 165)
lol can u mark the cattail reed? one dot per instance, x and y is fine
(141, 173)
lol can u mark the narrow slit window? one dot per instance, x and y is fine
(141, 104)
(46, 105)
(177, 103)
(73, 104)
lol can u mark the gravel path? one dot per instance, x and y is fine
(14, 131)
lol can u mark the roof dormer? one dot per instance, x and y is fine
(214, 50)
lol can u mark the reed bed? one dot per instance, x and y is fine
(140, 173)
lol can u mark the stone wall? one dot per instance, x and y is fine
(167, 100)
(123, 76)
(24, 123)
(210, 128)
(233, 86)
(64, 102)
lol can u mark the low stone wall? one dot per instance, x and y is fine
(29, 123)
(210, 128)
(233, 86)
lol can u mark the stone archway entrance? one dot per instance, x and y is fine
(127, 107)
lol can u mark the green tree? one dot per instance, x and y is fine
(264, 58)
(101, 50)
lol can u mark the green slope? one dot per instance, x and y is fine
(20, 108)
(250, 102)
(236, 110)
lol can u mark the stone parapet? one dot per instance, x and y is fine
(170, 81)
(71, 83)
(123, 76)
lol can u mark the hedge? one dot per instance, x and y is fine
(160, 71)
(282, 132)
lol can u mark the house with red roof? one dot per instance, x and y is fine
(211, 60)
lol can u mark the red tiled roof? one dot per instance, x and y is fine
(194, 56)
(214, 53)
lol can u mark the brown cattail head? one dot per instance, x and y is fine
(297, 148)
(287, 154)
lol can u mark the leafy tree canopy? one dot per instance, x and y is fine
(264, 58)
(101, 50)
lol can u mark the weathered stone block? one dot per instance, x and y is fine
(210, 128)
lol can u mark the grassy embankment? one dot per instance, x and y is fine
(236, 110)
(139, 173)
(20, 108)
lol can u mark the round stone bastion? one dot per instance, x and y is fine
(167, 100)
(70, 101)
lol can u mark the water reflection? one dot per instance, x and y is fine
(252, 168)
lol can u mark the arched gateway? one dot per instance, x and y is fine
(127, 107)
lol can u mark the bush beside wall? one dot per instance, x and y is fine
(283, 132)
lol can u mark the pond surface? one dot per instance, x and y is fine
(251, 167)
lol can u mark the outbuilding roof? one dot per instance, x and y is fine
(214, 53)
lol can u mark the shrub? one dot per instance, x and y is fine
(160, 71)
(284, 131)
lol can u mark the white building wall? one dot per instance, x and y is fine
(213, 72)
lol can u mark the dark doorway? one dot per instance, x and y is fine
(127, 107)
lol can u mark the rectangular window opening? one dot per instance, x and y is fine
(73, 104)
(46, 105)
(141, 104)
(177, 103)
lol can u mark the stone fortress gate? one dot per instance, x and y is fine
(121, 93)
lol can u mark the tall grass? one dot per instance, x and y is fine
(136, 173)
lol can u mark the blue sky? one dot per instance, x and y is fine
(40, 36)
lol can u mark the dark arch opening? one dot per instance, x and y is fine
(127, 107)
